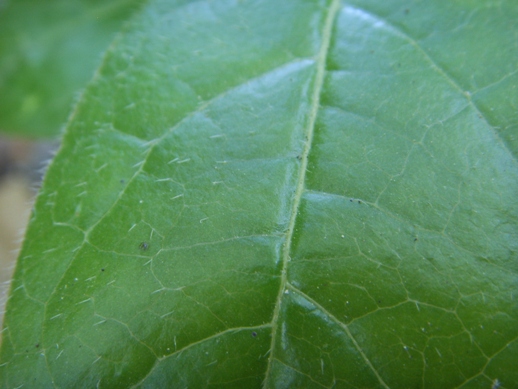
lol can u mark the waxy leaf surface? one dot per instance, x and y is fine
(281, 195)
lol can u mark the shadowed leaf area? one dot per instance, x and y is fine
(295, 194)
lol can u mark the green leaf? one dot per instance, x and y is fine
(281, 194)
(48, 52)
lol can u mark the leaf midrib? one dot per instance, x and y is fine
(314, 104)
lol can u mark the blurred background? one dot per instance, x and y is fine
(22, 163)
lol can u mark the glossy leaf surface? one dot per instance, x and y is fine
(49, 50)
(281, 194)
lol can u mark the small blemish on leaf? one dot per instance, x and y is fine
(143, 246)
(38, 345)
(254, 334)
(102, 269)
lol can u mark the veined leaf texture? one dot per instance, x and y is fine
(281, 194)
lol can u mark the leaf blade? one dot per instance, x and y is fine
(176, 237)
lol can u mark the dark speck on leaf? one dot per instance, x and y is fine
(143, 246)
(102, 269)
(359, 201)
(254, 334)
(415, 239)
(122, 181)
(38, 345)
(351, 200)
